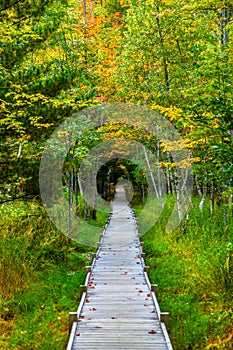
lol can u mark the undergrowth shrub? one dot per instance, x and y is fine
(193, 267)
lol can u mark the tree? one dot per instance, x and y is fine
(40, 85)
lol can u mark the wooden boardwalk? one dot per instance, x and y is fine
(118, 309)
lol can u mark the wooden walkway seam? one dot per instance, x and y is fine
(118, 308)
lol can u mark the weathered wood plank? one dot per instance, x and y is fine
(119, 308)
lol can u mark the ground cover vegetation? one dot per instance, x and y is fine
(60, 57)
(193, 270)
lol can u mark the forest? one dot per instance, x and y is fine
(168, 61)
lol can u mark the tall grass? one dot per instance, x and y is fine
(40, 274)
(193, 267)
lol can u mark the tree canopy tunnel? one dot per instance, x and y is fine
(119, 169)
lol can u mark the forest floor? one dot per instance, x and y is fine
(41, 271)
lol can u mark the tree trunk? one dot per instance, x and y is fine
(164, 56)
(158, 172)
(199, 191)
(177, 194)
(70, 178)
(212, 198)
(151, 172)
(204, 192)
(225, 16)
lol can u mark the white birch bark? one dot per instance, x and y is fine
(150, 171)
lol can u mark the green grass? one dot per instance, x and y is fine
(194, 271)
(40, 275)
(41, 314)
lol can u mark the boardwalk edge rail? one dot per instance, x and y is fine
(163, 316)
(74, 316)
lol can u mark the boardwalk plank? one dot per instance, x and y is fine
(119, 310)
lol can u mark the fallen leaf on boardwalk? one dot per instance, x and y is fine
(91, 286)
(92, 279)
(87, 300)
(148, 295)
(78, 334)
(98, 327)
(140, 291)
(152, 331)
(114, 318)
(93, 309)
